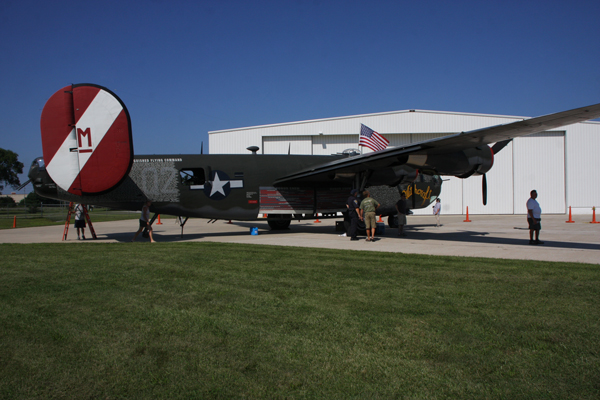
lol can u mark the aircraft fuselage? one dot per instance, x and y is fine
(211, 186)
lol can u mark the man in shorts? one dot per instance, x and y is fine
(534, 218)
(79, 221)
(145, 222)
(368, 207)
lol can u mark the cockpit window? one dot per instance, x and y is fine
(193, 176)
(39, 162)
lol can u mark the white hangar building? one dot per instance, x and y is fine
(563, 165)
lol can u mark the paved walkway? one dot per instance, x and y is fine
(486, 236)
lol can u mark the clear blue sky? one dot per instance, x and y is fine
(184, 68)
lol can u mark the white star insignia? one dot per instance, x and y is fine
(217, 185)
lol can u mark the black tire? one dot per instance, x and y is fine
(279, 224)
(393, 221)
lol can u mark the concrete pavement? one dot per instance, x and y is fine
(495, 236)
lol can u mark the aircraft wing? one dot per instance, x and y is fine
(448, 144)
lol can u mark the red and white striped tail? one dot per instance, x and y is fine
(86, 139)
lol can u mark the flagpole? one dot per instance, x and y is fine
(360, 148)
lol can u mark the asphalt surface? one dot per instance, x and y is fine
(495, 236)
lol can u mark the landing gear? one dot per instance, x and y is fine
(182, 223)
(393, 221)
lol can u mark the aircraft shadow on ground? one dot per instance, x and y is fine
(192, 234)
(414, 232)
(158, 236)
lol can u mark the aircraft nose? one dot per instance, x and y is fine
(37, 166)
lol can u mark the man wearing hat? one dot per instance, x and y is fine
(353, 207)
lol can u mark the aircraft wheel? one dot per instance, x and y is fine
(279, 224)
(393, 221)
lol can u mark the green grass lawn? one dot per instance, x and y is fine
(207, 320)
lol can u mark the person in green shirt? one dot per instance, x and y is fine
(368, 207)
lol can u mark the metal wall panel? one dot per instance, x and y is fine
(434, 123)
(287, 144)
(583, 167)
(452, 195)
(399, 139)
(539, 164)
(332, 144)
(420, 137)
(235, 143)
(539, 160)
(499, 187)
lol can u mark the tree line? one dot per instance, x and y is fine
(10, 168)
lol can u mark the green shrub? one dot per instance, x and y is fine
(7, 201)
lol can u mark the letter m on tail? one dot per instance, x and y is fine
(80, 135)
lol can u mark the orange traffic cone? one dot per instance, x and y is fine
(380, 220)
(594, 216)
(159, 223)
(15, 222)
(570, 221)
(317, 221)
(467, 220)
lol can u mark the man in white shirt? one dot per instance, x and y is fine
(79, 220)
(534, 218)
(145, 222)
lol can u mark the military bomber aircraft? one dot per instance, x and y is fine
(88, 158)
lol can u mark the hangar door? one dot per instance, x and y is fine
(539, 163)
(285, 144)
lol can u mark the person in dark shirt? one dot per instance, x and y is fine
(353, 213)
(401, 209)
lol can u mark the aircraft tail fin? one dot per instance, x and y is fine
(86, 139)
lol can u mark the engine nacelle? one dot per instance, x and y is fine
(422, 191)
(462, 164)
(480, 161)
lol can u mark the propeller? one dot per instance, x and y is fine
(484, 189)
(495, 149)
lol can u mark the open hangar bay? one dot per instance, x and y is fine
(562, 164)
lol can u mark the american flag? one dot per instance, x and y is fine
(371, 139)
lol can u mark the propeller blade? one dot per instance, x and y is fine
(484, 189)
(500, 145)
